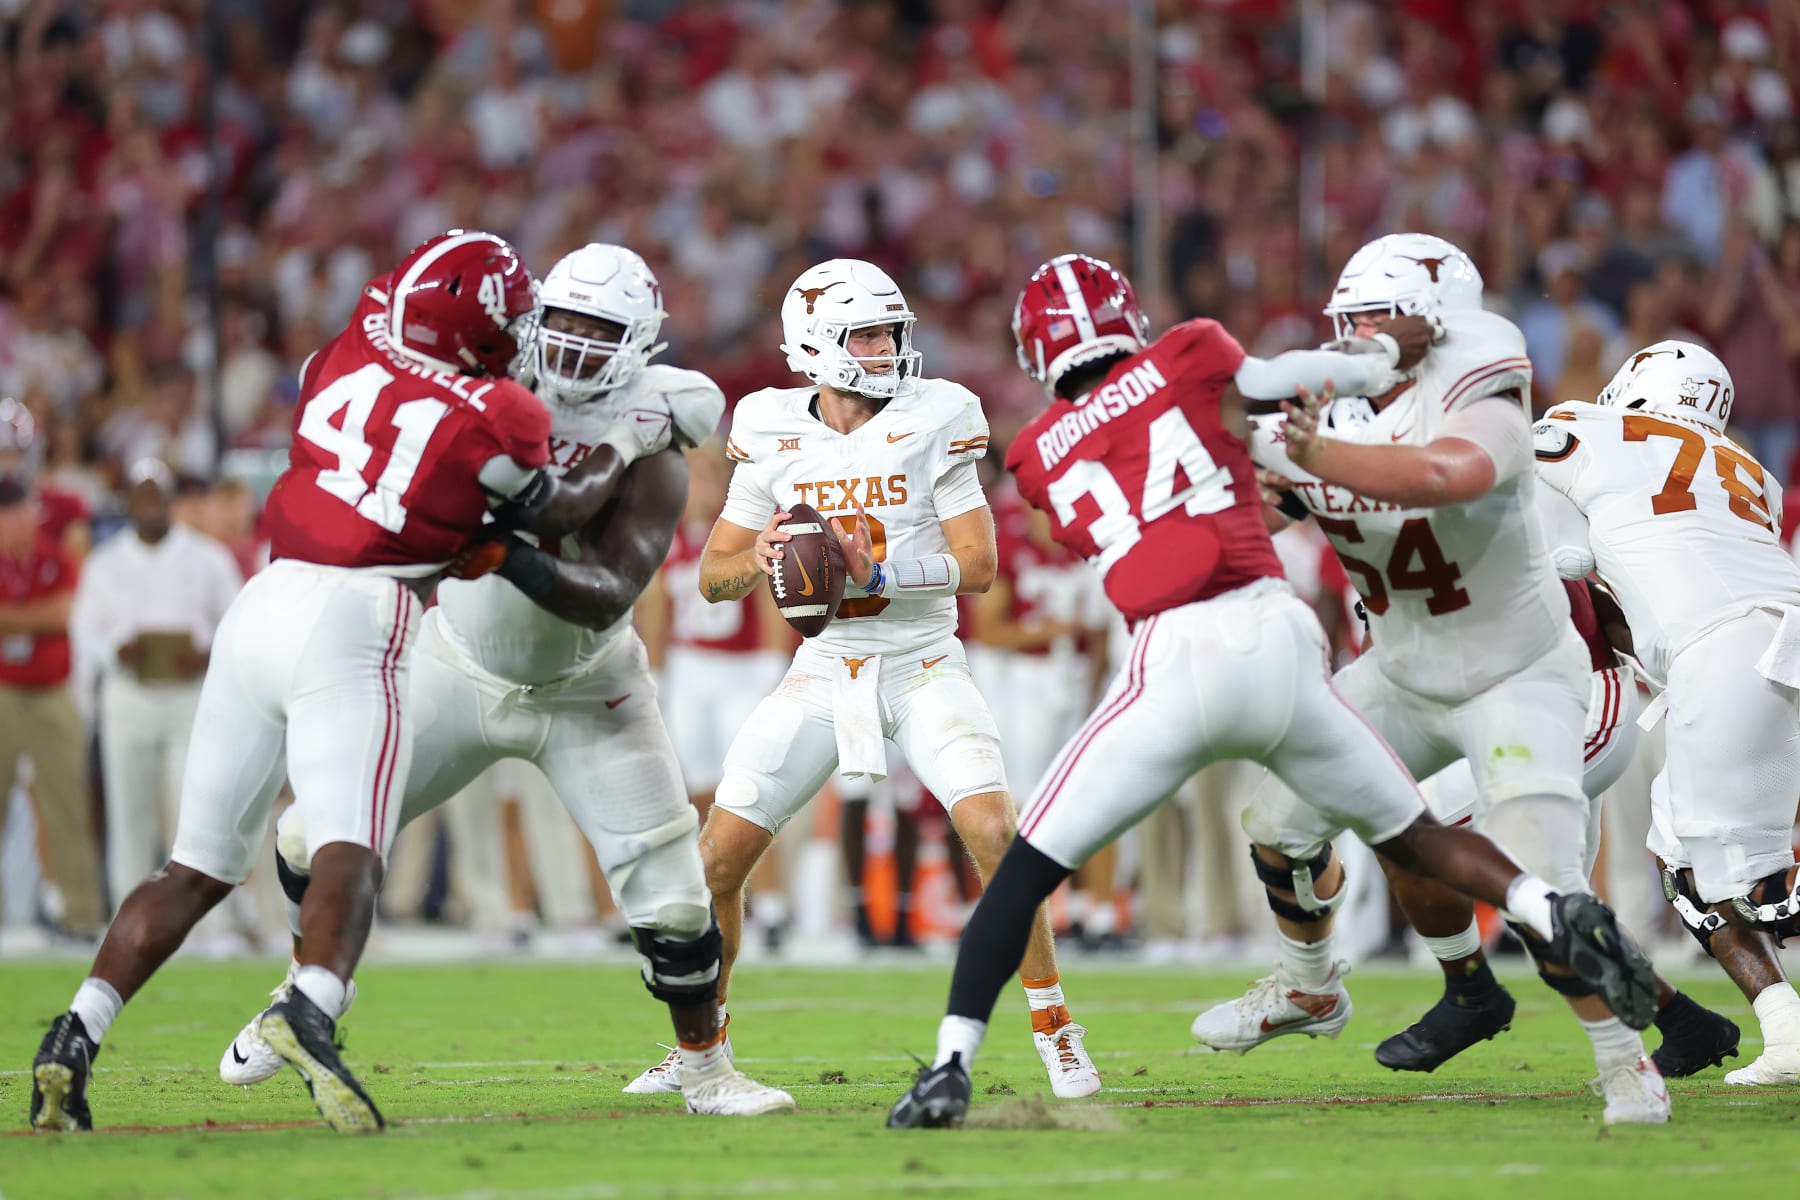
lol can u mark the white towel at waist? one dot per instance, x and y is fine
(1780, 663)
(856, 715)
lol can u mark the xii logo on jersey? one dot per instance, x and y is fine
(792, 443)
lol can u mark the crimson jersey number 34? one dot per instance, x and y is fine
(1416, 564)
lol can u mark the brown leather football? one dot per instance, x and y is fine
(809, 576)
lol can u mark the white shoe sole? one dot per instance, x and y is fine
(55, 1081)
(1065, 1089)
(1661, 1118)
(772, 1105)
(336, 1100)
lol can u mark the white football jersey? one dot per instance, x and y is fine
(1462, 596)
(911, 466)
(491, 621)
(1682, 524)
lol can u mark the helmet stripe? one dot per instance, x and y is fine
(397, 298)
(1078, 305)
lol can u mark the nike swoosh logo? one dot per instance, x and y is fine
(239, 1059)
(932, 662)
(804, 578)
(898, 437)
(1325, 1010)
(619, 701)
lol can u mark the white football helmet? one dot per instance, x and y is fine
(1678, 378)
(1404, 274)
(821, 309)
(612, 284)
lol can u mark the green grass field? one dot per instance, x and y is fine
(503, 1081)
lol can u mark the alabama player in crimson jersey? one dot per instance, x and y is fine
(1138, 463)
(408, 432)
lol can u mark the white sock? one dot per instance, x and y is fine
(959, 1035)
(97, 1003)
(1528, 902)
(1457, 946)
(1778, 1012)
(723, 1015)
(1307, 963)
(1614, 1042)
(702, 1061)
(322, 988)
(1043, 997)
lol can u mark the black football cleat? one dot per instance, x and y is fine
(1604, 957)
(938, 1099)
(1700, 1040)
(59, 1077)
(298, 1030)
(1447, 1030)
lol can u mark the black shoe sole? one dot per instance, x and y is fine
(335, 1092)
(941, 1112)
(1606, 959)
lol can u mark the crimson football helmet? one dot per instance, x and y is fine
(1074, 310)
(458, 303)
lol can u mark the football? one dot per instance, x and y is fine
(809, 576)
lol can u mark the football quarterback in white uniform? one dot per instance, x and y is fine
(890, 458)
(1645, 488)
(539, 660)
(1427, 495)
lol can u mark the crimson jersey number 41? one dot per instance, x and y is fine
(355, 395)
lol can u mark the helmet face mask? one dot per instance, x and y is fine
(834, 300)
(1403, 274)
(598, 316)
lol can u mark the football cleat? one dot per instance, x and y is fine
(665, 1076)
(1275, 1006)
(1072, 1073)
(1705, 1041)
(1589, 940)
(248, 1060)
(730, 1093)
(938, 1099)
(1778, 1064)
(1446, 1030)
(299, 1031)
(59, 1077)
(1635, 1094)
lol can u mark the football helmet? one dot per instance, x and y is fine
(612, 284)
(1404, 274)
(1678, 378)
(821, 310)
(1075, 309)
(456, 304)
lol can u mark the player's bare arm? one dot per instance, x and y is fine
(554, 508)
(994, 627)
(736, 557)
(1450, 470)
(622, 549)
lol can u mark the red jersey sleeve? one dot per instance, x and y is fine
(520, 424)
(1203, 350)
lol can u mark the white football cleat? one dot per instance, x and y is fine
(1635, 1094)
(1778, 1064)
(1072, 1073)
(730, 1093)
(249, 1060)
(665, 1076)
(1275, 1005)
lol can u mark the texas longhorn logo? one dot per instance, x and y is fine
(1637, 360)
(1431, 265)
(855, 665)
(811, 295)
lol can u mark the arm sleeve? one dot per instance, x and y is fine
(1501, 431)
(1280, 377)
(1565, 532)
(520, 424)
(505, 477)
(748, 502)
(957, 491)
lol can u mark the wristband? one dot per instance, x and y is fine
(877, 580)
(529, 569)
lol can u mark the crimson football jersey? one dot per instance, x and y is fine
(730, 627)
(1044, 582)
(1141, 478)
(384, 469)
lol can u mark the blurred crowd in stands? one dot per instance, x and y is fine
(1621, 170)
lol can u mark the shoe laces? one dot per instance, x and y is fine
(1067, 1056)
(669, 1062)
(1266, 990)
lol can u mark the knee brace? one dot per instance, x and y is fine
(293, 883)
(1567, 985)
(1299, 877)
(677, 971)
(1678, 890)
(1771, 906)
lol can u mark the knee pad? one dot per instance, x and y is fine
(683, 921)
(681, 971)
(1300, 878)
(1678, 890)
(290, 841)
(293, 883)
(1771, 906)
